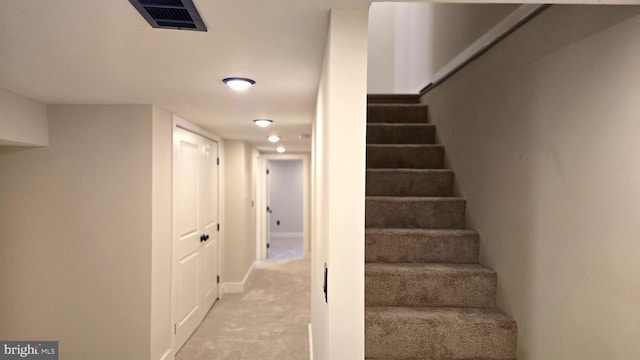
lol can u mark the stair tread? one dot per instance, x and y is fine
(393, 245)
(394, 332)
(397, 105)
(414, 212)
(427, 125)
(409, 170)
(393, 99)
(414, 198)
(427, 268)
(416, 284)
(425, 232)
(413, 146)
(454, 314)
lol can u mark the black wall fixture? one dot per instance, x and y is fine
(325, 284)
(170, 14)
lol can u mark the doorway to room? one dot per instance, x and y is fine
(285, 209)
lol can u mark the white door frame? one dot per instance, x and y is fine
(181, 123)
(261, 196)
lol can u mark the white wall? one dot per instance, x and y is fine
(543, 134)
(381, 51)
(285, 197)
(338, 190)
(161, 247)
(23, 121)
(409, 42)
(240, 243)
(76, 229)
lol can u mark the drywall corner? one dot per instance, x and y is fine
(23, 121)
(161, 247)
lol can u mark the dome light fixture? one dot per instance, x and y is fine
(238, 83)
(273, 138)
(263, 122)
(281, 149)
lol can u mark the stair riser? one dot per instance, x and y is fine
(409, 183)
(416, 338)
(430, 289)
(407, 157)
(417, 214)
(413, 248)
(393, 99)
(405, 134)
(399, 114)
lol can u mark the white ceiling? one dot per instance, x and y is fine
(104, 52)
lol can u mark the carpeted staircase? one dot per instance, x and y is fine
(426, 296)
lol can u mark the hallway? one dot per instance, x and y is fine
(269, 320)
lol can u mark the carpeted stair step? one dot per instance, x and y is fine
(414, 212)
(397, 113)
(393, 99)
(446, 285)
(422, 246)
(405, 156)
(409, 182)
(385, 133)
(439, 334)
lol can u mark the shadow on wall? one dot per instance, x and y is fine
(541, 131)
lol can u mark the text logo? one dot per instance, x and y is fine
(32, 350)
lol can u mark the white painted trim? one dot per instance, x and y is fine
(189, 126)
(167, 355)
(508, 24)
(286, 235)
(261, 236)
(237, 287)
(310, 342)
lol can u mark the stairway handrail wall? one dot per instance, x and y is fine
(508, 25)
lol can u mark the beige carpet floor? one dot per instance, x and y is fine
(285, 248)
(268, 321)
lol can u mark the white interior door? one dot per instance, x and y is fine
(209, 216)
(186, 233)
(195, 235)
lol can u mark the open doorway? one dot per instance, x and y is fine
(271, 210)
(285, 209)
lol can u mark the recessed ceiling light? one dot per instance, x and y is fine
(274, 138)
(281, 149)
(238, 83)
(263, 122)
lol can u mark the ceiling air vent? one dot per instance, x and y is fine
(170, 14)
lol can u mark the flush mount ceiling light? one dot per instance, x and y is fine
(238, 83)
(281, 149)
(263, 122)
(273, 138)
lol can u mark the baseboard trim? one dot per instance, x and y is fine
(310, 342)
(236, 287)
(167, 355)
(286, 235)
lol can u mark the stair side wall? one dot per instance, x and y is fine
(545, 151)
